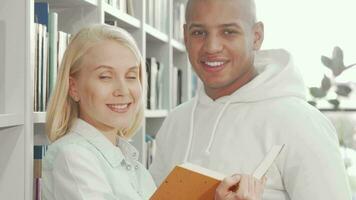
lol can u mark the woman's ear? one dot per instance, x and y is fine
(73, 89)
(258, 35)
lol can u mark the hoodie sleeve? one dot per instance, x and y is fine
(312, 166)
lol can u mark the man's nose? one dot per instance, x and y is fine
(213, 44)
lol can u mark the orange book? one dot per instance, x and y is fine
(189, 182)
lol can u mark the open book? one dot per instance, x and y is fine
(192, 182)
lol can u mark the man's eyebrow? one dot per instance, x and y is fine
(230, 25)
(236, 25)
(193, 25)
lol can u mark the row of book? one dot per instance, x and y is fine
(154, 72)
(177, 86)
(39, 152)
(125, 6)
(178, 21)
(50, 45)
(156, 14)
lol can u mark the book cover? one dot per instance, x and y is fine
(189, 181)
(41, 13)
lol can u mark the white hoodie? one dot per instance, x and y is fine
(233, 134)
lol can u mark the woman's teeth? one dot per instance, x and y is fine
(118, 107)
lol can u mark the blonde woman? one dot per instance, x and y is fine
(95, 107)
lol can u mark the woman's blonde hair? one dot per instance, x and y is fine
(62, 109)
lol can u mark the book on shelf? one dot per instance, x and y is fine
(53, 50)
(40, 68)
(121, 5)
(178, 21)
(190, 181)
(151, 149)
(41, 13)
(63, 41)
(154, 87)
(44, 70)
(156, 14)
(177, 86)
(50, 45)
(149, 12)
(2, 63)
(39, 152)
(130, 7)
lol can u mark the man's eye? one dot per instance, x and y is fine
(229, 32)
(198, 33)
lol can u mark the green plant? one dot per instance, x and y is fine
(328, 83)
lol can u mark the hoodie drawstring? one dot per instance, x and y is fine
(212, 137)
(191, 128)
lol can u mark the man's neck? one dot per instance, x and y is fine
(243, 80)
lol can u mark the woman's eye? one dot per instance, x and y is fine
(104, 77)
(131, 76)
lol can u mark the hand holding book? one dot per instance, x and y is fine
(240, 187)
(192, 182)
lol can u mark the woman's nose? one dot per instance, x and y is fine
(121, 88)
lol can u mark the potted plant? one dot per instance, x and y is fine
(330, 83)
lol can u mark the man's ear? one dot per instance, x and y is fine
(73, 89)
(258, 35)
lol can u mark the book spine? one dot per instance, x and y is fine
(53, 40)
(2, 63)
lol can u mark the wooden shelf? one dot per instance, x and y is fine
(155, 35)
(8, 120)
(124, 20)
(56, 4)
(178, 46)
(156, 113)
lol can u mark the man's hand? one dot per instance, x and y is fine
(240, 187)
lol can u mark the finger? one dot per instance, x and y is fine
(259, 187)
(264, 180)
(251, 184)
(243, 186)
(229, 182)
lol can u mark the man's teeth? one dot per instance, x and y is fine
(214, 64)
(118, 106)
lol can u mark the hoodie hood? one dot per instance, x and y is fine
(277, 77)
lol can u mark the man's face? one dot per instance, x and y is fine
(220, 37)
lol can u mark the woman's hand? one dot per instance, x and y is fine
(240, 187)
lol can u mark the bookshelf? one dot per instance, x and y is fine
(21, 127)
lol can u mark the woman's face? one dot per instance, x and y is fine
(108, 86)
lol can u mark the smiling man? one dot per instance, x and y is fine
(250, 100)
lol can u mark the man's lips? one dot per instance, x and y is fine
(214, 66)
